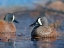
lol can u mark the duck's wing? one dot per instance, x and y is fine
(42, 31)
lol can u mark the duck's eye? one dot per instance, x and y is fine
(41, 19)
(11, 18)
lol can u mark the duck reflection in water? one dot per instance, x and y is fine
(45, 43)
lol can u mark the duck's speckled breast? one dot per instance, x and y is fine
(43, 31)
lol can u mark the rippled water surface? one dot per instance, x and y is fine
(24, 41)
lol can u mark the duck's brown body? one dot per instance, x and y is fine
(44, 31)
(7, 31)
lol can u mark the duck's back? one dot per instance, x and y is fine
(7, 30)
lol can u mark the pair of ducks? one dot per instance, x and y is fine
(41, 29)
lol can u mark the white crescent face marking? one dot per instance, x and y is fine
(39, 21)
(13, 18)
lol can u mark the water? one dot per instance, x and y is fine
(24, 41)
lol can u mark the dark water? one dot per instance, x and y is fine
(24, 41)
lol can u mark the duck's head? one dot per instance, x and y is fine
(38, 22)
(10, 18)
(41, 21)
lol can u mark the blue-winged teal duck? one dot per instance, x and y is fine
(42, 29)
(7, 28)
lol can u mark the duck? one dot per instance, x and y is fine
(42, 29)
(7, 28)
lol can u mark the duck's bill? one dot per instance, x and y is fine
(34, 24)
(31, 25)
(16, 21)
